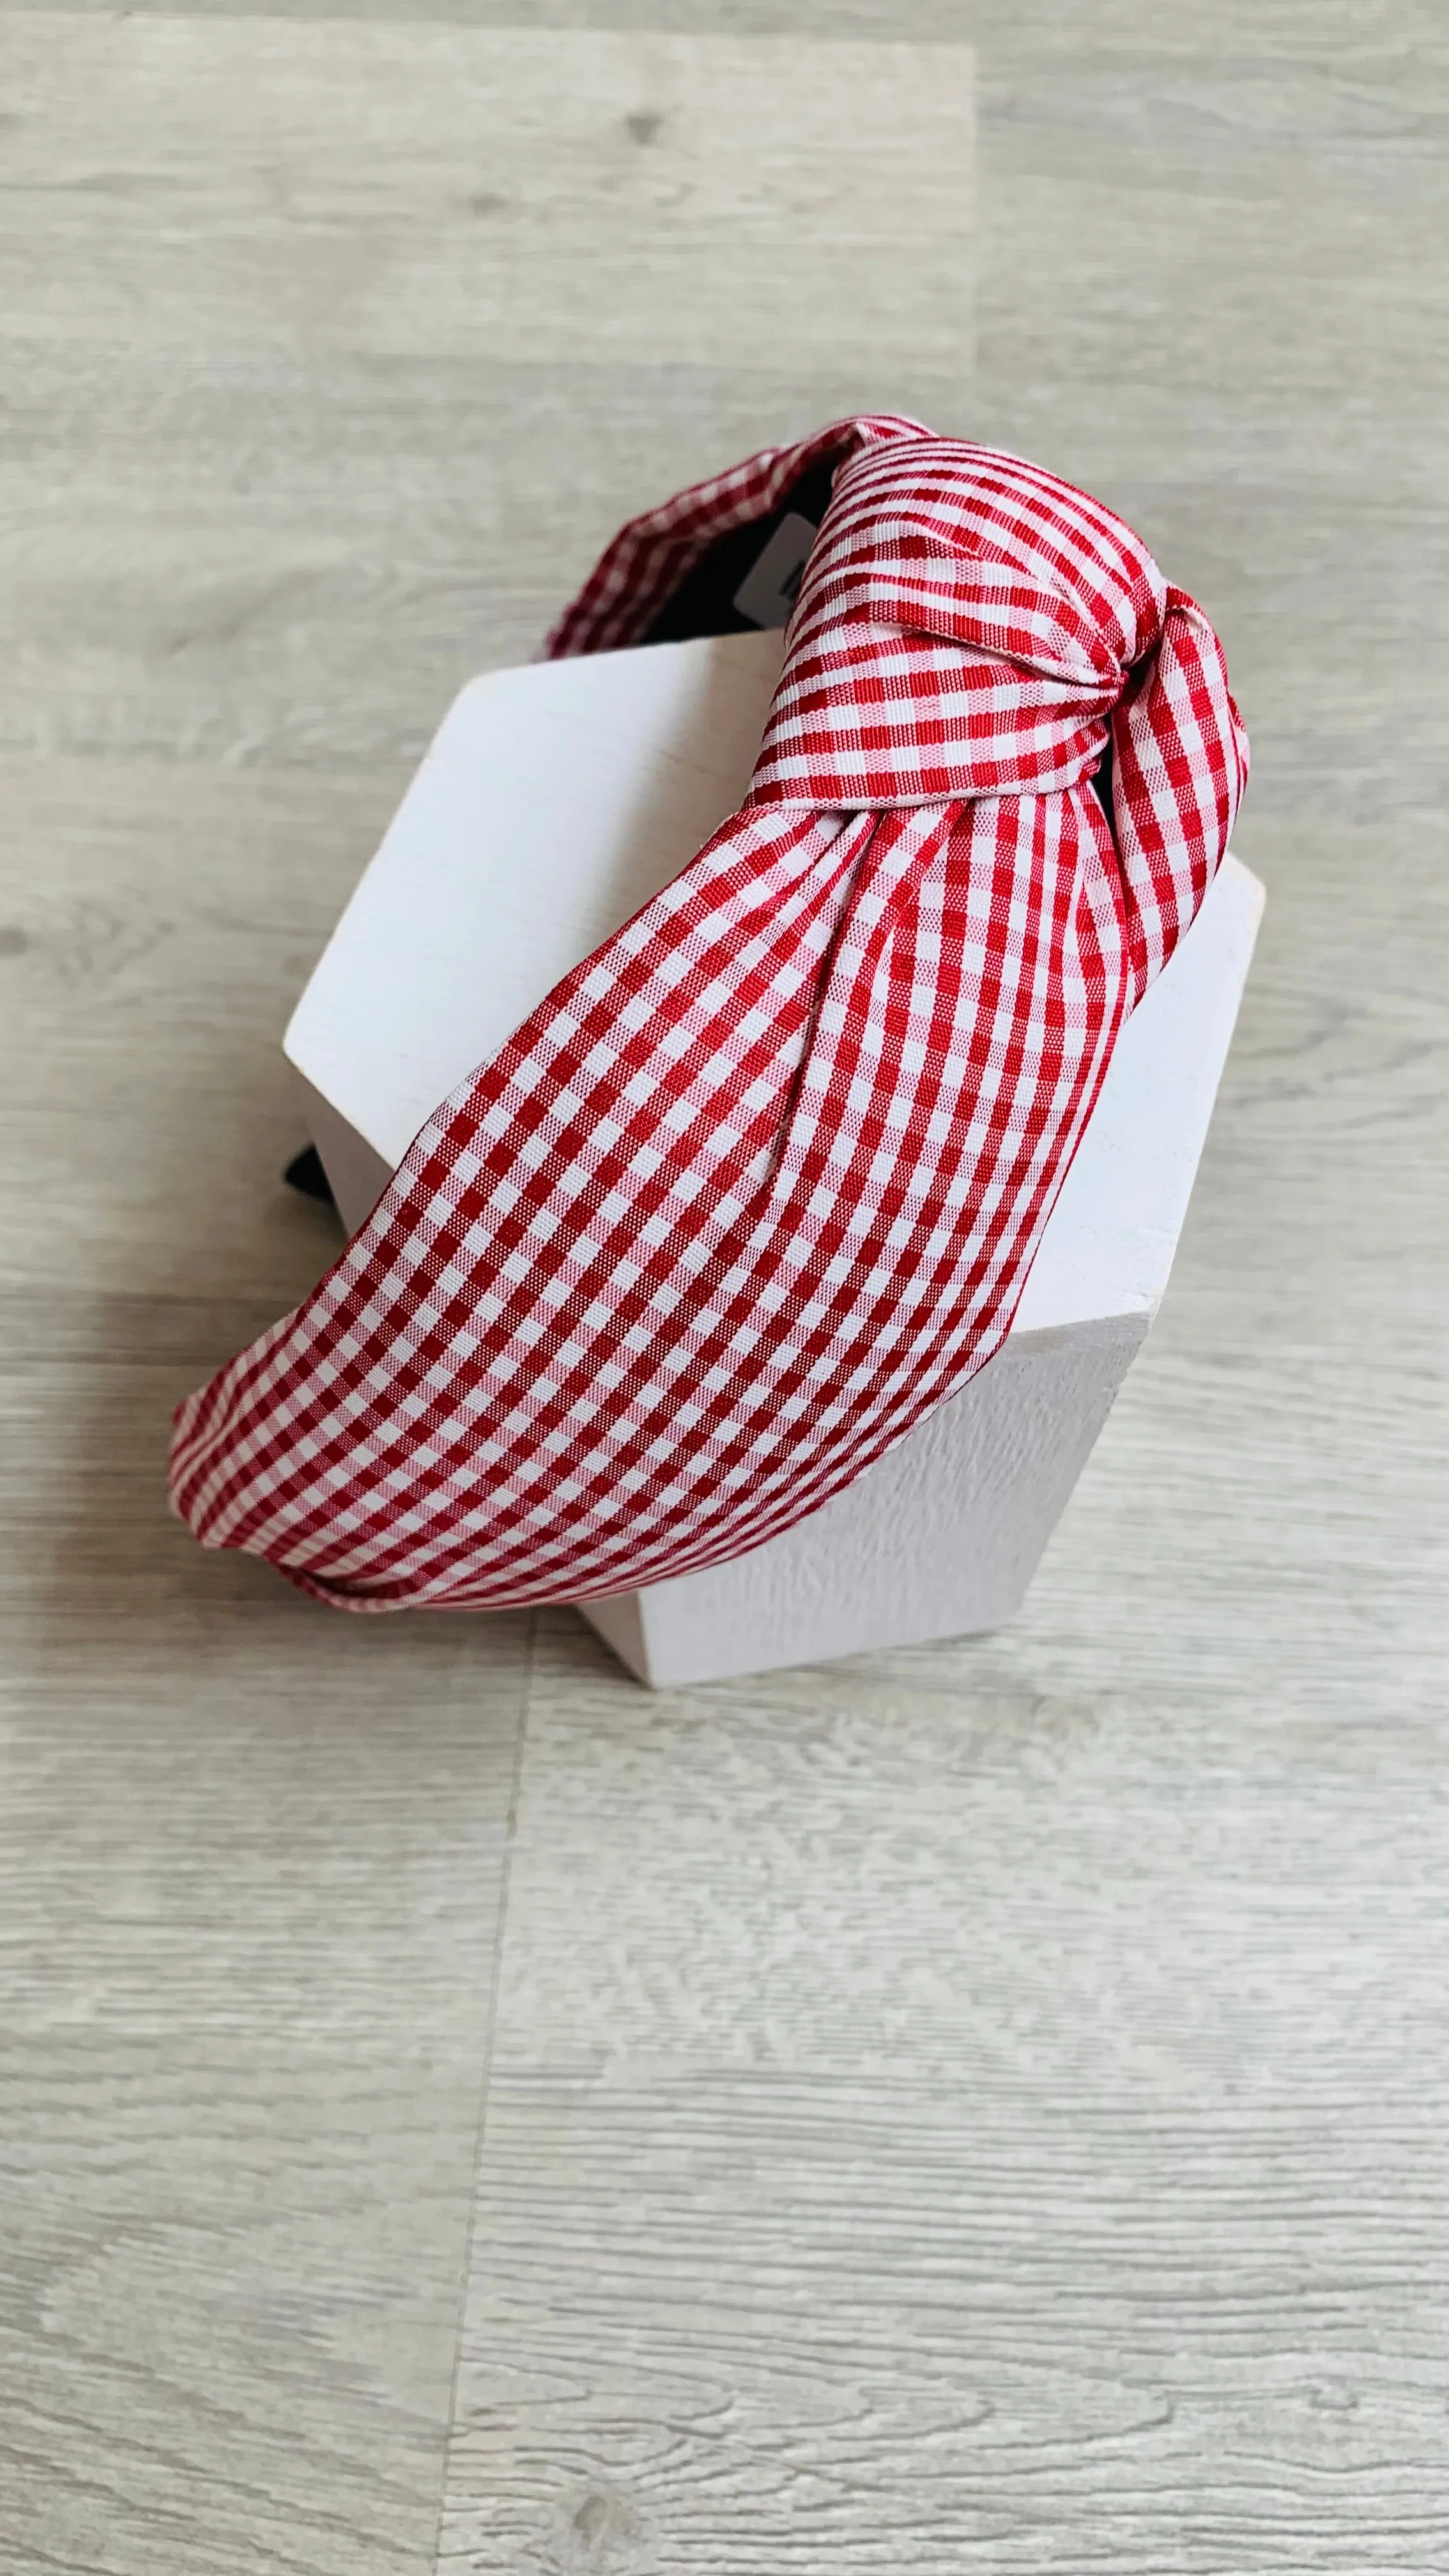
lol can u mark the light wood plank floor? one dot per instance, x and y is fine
(977, 2109)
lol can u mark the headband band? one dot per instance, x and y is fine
(759, 1183)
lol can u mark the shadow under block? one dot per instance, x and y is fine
(506, 864)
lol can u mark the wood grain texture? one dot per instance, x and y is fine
(405, 187)
(976, 2109)
(941, 2123)
(251, 1876)
(251, 1860)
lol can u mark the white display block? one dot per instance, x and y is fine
(555, 800)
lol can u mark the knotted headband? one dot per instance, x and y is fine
(759, 1184)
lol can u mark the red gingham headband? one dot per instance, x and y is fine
(759, 1184)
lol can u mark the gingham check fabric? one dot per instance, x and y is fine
(759, 1184)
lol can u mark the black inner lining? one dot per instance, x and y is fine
(704, 603)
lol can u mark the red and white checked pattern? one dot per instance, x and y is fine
(759, 1184)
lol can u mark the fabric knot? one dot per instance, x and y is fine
(969, 625)
(965, 627)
